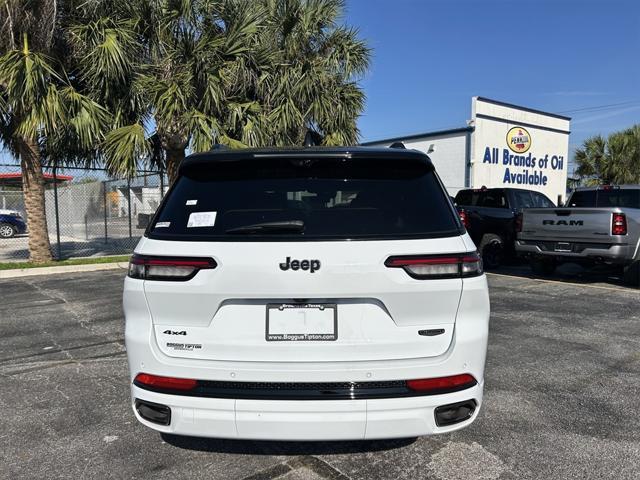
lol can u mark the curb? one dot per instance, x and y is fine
(36, 271)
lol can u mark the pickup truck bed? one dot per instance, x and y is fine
(611, 235)
(578, 234)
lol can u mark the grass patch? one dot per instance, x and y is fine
(71, 261)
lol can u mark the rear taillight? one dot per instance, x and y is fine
(147, 267)
(518, 222)
(164, 383)
(452, 383)
(464, 218)
(438, 266)
(619, 224)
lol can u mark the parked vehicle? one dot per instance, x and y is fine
(11, 223)
(306, 294)
(491, 216)
(598, 225)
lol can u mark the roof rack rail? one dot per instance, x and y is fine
(397, 145)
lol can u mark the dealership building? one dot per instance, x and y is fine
(503, 145)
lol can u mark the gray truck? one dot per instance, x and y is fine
(597, 225)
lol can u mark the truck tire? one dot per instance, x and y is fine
(492, 250)
(543, 266)
(632, 274)
(7, 230)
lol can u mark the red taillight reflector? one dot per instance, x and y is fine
(518, 222)
(405, 261)
(438, 266)
(177, 262)
(619, 224)
(167, 383)
(442, 384)
(464, 218)
(167, 268)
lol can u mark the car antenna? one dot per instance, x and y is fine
(397, 145)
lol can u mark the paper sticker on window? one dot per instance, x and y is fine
(192, 202)
(201, 219)
(163, 224)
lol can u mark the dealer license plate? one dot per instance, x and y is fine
(301, 322)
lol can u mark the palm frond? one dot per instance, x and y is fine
(125, 148)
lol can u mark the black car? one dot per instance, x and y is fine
(11, 223)
(491, 216)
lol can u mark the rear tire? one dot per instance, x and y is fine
(632, 274)
(6, 230)
(492, 250)
(543, 266)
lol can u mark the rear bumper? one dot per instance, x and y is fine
(306, 420)
(616, 253)
(310, 419)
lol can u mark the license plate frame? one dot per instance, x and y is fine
(330, 320)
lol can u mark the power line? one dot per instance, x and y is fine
(597, 108)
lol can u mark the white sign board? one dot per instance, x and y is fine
(518, 147)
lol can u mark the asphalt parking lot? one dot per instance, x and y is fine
(562, 383)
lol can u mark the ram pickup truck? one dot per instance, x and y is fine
(490, 215)
(598, 225)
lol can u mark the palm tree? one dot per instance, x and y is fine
(591, 161)
(237, 72)
(615, 159)
(166, 70)
(40, 109)
(313, 82)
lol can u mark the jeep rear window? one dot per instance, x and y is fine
(329, 199)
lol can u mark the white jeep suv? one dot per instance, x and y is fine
(306, 294)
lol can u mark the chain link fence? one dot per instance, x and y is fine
(89, 213)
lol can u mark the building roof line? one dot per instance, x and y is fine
(436, 133)
(519, 107)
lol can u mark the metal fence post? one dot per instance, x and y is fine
(161, 184)
(55, 202)
(129, 203)
(104, 192)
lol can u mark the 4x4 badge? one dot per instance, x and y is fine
(310, 265)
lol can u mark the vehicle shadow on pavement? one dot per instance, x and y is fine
(570, 273)
(260, 447)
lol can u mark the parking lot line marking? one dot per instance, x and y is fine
(617, 289)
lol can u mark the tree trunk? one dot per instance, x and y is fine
(174, 159)
(33, 190)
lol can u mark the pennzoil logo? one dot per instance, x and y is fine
(518, 139)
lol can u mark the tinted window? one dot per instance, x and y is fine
(493, 199)
(522, 199)
(583, 198)
(531, 199)
(626, 198)
(469, 198)
(327, 199)
(463, 197)
(541, 201)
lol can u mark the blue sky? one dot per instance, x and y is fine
(431, 56)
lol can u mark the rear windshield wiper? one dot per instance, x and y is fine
(270, 227)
